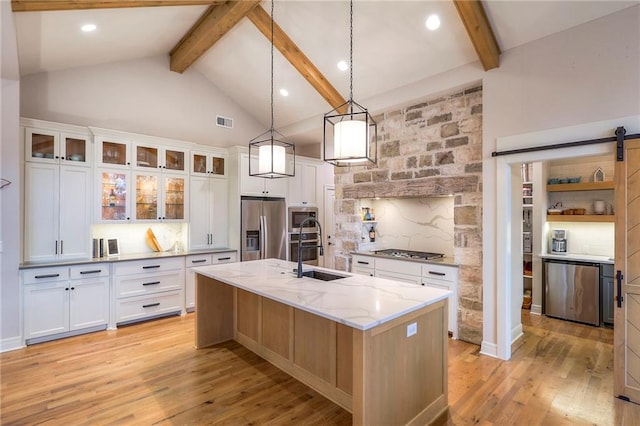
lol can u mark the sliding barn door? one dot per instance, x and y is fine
(627, 265)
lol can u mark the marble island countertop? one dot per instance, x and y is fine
(358, 301)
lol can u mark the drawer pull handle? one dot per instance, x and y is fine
(95, 271)
(440, 274)
(224, 258)
(199, 261)
(48, 276)
(152, 283)
(151, 267)
(362, 263)
(151, 305)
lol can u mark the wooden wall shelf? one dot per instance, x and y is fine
(580, 218)
(586, 186)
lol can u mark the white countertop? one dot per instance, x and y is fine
(359, 301)
(120, 258)
(579, 257)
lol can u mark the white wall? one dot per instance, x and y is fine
(10, 332)
(586, 74)
(139, 96)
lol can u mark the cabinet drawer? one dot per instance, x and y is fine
(148, 266)
(197, 260)
(396, 276)
(362, 263)
(89, 271)
(148, 284)
(399, 266)
(362, 271)
(37, 275)
(137, 308)
(226, 257)
(444, 285)
(440, 272)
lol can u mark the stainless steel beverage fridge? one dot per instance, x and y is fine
(264, 229)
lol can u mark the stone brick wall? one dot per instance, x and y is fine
(428, 149)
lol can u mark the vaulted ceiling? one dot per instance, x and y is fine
(229, 42)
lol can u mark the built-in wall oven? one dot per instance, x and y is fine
(309, 252)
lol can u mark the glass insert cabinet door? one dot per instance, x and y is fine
(41, 145)
(207, 164)
(75, 149)
(147, 156)
(174, 196)
(147, 197)
(174, 160)
(114, 196)
(114, 153)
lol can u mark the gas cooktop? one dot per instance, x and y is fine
(409, 254)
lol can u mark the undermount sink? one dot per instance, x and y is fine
(323, 276)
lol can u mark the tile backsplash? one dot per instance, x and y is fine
(597, 239)
(422, 224)
(132, 236)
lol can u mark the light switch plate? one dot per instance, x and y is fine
(412, 329)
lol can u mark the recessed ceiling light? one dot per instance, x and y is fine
(433, 22)
(87, 28)
(343, 66)
(284, 92)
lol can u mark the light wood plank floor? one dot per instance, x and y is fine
(560, 374)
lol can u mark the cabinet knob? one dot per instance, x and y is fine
(73, 288)
(128, 163)
(66, 289)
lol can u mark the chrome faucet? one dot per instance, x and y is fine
(309, 219)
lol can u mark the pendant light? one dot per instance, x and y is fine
(350, 133)
(275, 157)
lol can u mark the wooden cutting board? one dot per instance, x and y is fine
(152, 241)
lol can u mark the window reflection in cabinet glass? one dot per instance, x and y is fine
(174, 198)
(114, 153)
(146, 197)
(147, 156)
(75, 149)
(42, 146)
(174, 160)
(114, 196)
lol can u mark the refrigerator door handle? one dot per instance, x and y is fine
(266, 237)
(262, 239)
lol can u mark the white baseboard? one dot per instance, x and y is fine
(489, 349)
(536, 309)
(516, 333)
(11, 344)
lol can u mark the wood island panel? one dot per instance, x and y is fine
(315, 345)
(248, 314)
(277, 326)
(214, 323)
(344, 358)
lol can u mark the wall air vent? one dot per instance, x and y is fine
(224, 122)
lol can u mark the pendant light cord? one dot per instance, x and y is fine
(351, 52)
(272, 119)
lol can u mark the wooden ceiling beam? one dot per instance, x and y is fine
(51, 5)
(262, 20)
(480, 32)
(210, 28)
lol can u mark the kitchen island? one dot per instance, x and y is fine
(376, 347)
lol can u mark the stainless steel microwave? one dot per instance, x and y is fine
(297, 215)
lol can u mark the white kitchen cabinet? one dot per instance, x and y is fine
(399, 270)
(205, 163)
(64, 301)
(302, 188)
(444, 277)
(154, 156)
(114, 190)
(57, 147)
(148, 288)
(57, 212)
(113, 152)
(159, 196)
(258, 186)
(195, 260)
(363, 265)
(208, 213)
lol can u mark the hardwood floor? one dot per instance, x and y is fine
(561, 373)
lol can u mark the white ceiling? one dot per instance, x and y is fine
(392, 47)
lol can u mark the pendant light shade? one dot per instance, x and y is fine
(350, 133)
(270, 156)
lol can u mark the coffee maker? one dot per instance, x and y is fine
(558, 241)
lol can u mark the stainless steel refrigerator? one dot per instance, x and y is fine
(263, 230)
(572, 291)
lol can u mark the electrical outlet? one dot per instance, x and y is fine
(412, 329)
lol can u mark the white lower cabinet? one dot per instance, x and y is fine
(63, 301)
(148, 288)
(430, 275)
(195, 260)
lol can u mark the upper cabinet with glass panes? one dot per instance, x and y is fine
(208, 163)
(165, 158)
(59, 147)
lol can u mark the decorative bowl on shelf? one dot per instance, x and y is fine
(563, 180)
(553, 181)
(554, 211)
(574, 179)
